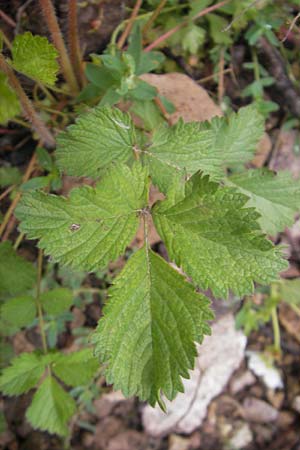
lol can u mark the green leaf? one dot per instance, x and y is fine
(208, 146)
(35, 57)
(193, 38)
(290, 291)
(100, 76)
(76, 369)
(51, 408)
(217, 25)
(9, 105)
(143, 91)
(215, 239)
(149, 329)
(22, 375)
(56, 301)
(94, 225)
(16, 274)
(19, 311)
(9, 176)
(275, 197)
(98, 138)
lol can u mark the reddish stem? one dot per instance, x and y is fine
(66, 66)
(129, 25)
(169, 33)
(74, 44)
(28, 109)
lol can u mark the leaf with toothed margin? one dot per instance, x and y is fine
(94, 225)
(210, 146)
(216, 240)
(275, 196)
(150, 325)
(99, 137)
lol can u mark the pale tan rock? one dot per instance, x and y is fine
(191, 101)
(259, 411)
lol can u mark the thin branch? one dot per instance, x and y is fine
(129, 25)
(52, 23)
(27, 107)
(38, 302)
(16, 200)
(174, 30)
(74, 44)
(7, 19)
(154, 16)
(240, 15)
(294, 21)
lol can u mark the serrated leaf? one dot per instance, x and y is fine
(94, 225)
(19, 311)
(98, 138)
(207, 146)
(22, 375)
(35, 57)
(76, 369)
(193, 38)
(51, 408)
(9, 105)
(16, 274)
(149, 329)
(56, 301)
(275, 197)
(290, 291)
(215, 239)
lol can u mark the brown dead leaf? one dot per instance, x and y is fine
(289, 320)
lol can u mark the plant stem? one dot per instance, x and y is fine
(28, 109)
(276, 330)
(52, 23)
(169, 33)
(7, 19)
(295, 308)
(154, 15)
(18, 241)
(38, 302)
(5, 39)
(74, 44)
(130, 23)
(16, 200)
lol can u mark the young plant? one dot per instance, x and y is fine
(26, 305)
(213, 228)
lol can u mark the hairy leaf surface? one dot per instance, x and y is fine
(23, 374)
(150, 327)
(9, 105)
(16, 274)
(215, 239)
(98, 138)
(276, 197)
(210, 147)
(77, 368)
(93, 226)
(51, 408)
(36, 57)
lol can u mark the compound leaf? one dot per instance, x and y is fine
(210, 147)
(56, 301)
(16, 274)
(150, 327)
(94, 225)
(76, 369)
(19, 311)
(275, 197)
(9, 105)
(215, 239)
(23, 374)
(51, 408)
(35, 57)
(98, 138)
